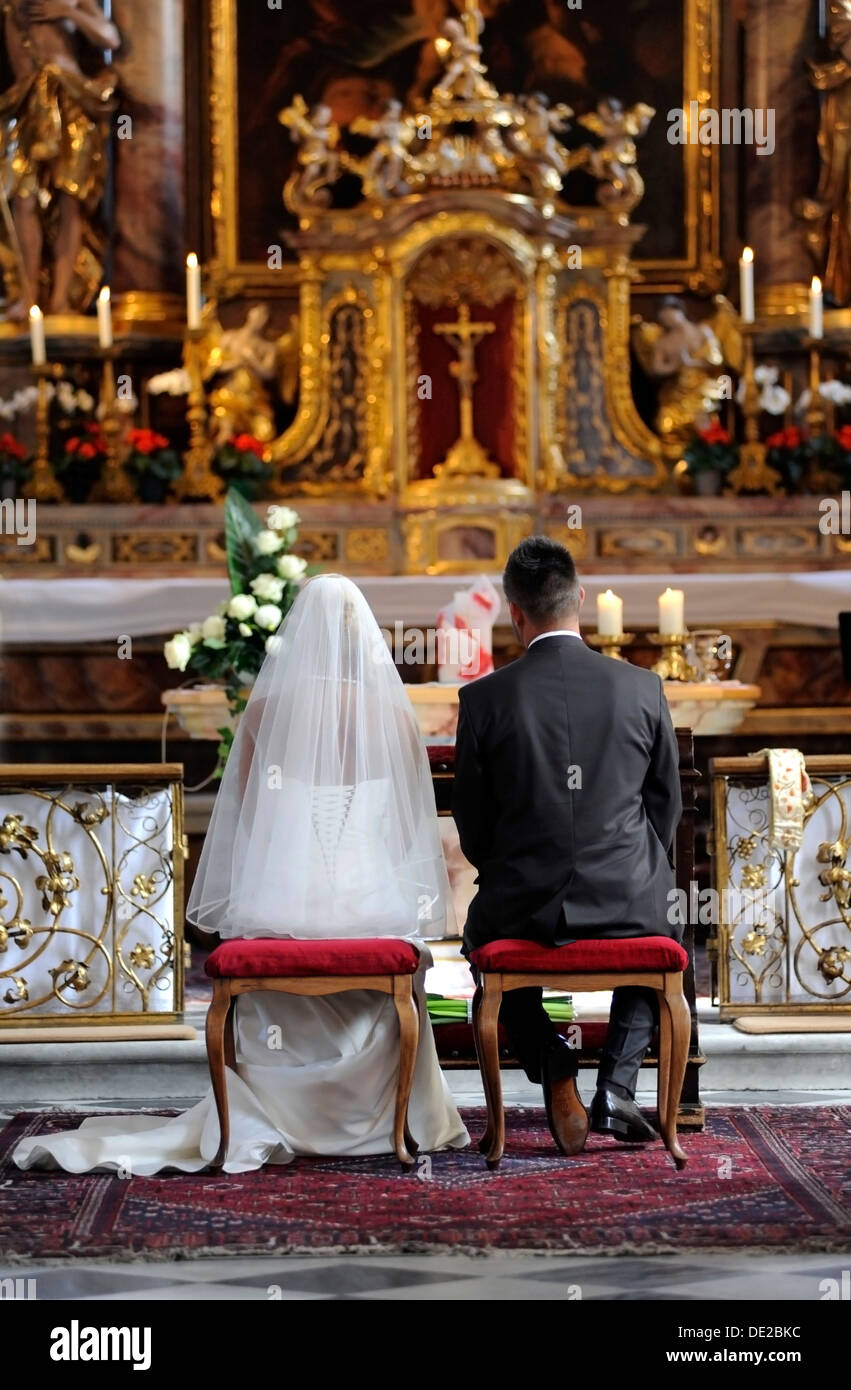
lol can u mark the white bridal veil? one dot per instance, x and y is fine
(324, 824)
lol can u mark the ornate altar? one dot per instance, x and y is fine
(464, 329)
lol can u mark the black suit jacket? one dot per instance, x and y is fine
(567, 797)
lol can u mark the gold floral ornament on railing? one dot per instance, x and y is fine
(98, 873)
(785, 936)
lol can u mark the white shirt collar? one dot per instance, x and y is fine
(562, 632)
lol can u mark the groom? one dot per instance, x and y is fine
(567, 797)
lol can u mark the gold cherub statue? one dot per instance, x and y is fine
(613, 164)
(382, 172)
(318, 137)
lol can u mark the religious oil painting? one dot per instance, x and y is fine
(354, 58)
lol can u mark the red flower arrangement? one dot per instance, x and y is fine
(153, 464)
(147, 442)
(240, 463)
(82, 461)
(713, 450)
(14, 460)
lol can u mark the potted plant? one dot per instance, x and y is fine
(710, 456)
(240, 462)
(152, 463)
(229, 647)
(14, 465)
(82, 462)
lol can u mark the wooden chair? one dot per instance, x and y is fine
(654, 962)
(320, 967)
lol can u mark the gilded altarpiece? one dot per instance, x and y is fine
(463, 328)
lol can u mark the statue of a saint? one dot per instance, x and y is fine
(829, 213)
(53, 124)
(687, 359)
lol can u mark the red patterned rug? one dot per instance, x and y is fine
(768, 1178)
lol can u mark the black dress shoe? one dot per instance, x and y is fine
(566, 1115)
(610, 1114)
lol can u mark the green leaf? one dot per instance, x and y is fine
(241, 526)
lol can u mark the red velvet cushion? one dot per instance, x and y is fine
(277, 956)
(583, 957)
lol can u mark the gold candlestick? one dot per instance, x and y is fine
(818, 477)
(753, 473)
(609, 644)
(116, 486)
(198, 480)
(44, 485)
(672, 664)
(816, 413)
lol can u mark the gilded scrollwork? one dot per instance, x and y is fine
(784, 943)
(96, 871)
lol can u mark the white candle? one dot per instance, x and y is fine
(193, 291)
(39, 347)
(105, 318)
(609, 615)
(746, 286)
(816, 309)
(672, 612)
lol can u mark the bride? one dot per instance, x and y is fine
(324, 826)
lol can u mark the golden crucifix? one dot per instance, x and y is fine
(466, 458)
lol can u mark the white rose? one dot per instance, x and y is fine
(244, 630)
(268, 588)
(178, 651)
(282, 518)
(291, 567)
(273, 644)
(242, 606)
(269, 617)
(195, 632)
(267, 543)
(213, 628)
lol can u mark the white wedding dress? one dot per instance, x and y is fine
(292, 853)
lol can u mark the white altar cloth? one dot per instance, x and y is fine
(43, 611)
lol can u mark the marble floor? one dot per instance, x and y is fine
(497, 1278)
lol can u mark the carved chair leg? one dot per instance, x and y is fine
(218, 1019)
(409, 1029)
(487, 1138)
(674, 1008)
(488, 1024)
(410, 1142)
(663, 1075)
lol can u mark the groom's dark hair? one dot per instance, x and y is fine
(540, 577)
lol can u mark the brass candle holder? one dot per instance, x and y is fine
(44, 485)
(116, 486)
(198, 479)
(752, 473)
(673, 664)
(816, 413)
(610, 645)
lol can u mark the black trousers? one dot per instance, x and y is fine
(632, 1020)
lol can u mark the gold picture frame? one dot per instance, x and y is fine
(700, 269)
